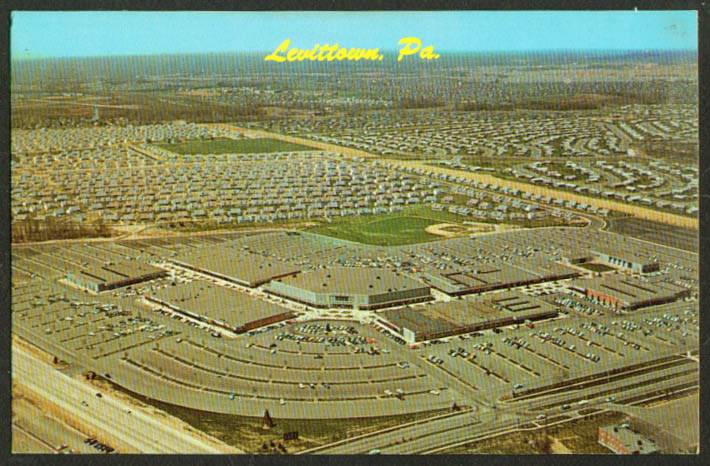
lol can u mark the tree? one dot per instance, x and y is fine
(543, 443)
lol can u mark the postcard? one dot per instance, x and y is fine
(364, 232)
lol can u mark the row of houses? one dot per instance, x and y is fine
(63, 139)
(683, 197)
(276, 186)
(475, 133)
(554, 202)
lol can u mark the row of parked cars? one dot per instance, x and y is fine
(436, 360)
(459, 352)
(63, 448)
(326, 328)
(389, 334)
(328, 341)
(577, 306)
(98, 445)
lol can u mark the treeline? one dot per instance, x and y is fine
(51, 228)
(421, 102)
(554, 103)
(672, 151)
(138, 109)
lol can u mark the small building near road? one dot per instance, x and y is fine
(622, 440)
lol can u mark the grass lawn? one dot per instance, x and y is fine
(387, 229)
(245, 432)
(579, 436)
(596, 267)
(232, 146)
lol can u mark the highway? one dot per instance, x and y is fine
(25, 442)
(663, 380)
(432, 435)
(110, 419)
(42, 431)
(425, 436)
(637, 211)
(392, 437)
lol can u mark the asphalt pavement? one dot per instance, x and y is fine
(121, 425)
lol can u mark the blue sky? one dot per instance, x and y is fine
(64, 34)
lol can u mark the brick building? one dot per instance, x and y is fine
(622, 440)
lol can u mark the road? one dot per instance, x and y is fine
(433, 435)
(663, 380)
(25, 442)
(392, 437)
(107, 417)
(38, 431)
(638, 211)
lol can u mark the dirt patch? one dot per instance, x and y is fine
(455, 229)
(131, 229)
(37, 353)
(452, 230)
(577, 437)
(443, 229)
(559, 448)
(246, 433)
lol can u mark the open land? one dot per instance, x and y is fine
(231, 146)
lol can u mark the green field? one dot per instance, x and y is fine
(596, 267)
(246, 433)
(387, 229)
(232, 146)
(579, 436)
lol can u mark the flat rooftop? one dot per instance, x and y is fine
(217, 302)
(632, 439)
(111, 272)
(352, 281)
(679, 418)
(488, 275)
(630, 289)
(495, 274)
(439, 316)
(232, 260)
(103, 264)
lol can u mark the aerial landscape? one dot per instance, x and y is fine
(486, 247)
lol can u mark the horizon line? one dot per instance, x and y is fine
(510, 51)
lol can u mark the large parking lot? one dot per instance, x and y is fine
(357, 363)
